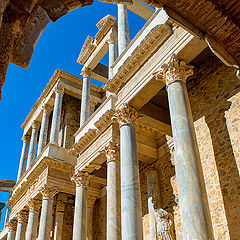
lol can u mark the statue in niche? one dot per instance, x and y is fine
(164, 225)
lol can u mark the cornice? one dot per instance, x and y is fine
(156, 37)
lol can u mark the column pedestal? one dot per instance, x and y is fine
(131, 208)
(48, 193)
(80, 212)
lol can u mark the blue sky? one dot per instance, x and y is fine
(58, 47)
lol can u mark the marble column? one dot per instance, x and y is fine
(32, 226)
(56, 119)
(60, 206)
(11, 225)
(131, 208)
(21, 225)
(85, 101)
(153, 200)
(123, 29)
(112, 45)
(23, 158)
(44, 128)
(48, 193)
(2, 205)
(90, 205)
(195, 218)
(32, 145)
(80, 212)
(113, 193)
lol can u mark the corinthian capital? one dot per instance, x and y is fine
(112, 152)
(11, 225)
(34, 205)
(175, 70)
(81, 179)
(113, 38)
(48, 191)
(126, 115)
(26, 138)
(36, 124)
(59, 88)
(86, 72)
(22, 217)
(91, 201)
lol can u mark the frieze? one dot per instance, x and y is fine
(156, 37)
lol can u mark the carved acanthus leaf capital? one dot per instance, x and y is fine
(60, 206)
(22, 216)
(112, 152)
(113, 38)
(81, 179)
(126, 115)
(11, 225)
(36, 124)
(48, 191)
(34, 205)
(86, 72)
(59, 88)
(26, 138)
(47, 108)
(91, 201)
(175, 70)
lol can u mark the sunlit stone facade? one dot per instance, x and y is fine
(153, 154)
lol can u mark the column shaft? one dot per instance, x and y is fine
(85, 101)
(131, 209)
(89, 223)
(23, 158)
(21, 227)
(59, 220)
(56, 115)
(112, 57)
(11, 235)
(43, 132)
(123, 29)
(32, 146)
(31, 233)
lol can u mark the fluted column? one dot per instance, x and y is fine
(21, 225)
(153, 200)
(33, 143)
(90, 205)
(113, 199)
(23, 158)
(60, 206)
(112, 45)
(123, 28)
(59, 91)
(44, 128)
(11, 225)
(32, 226)
(195, 218)
(80, 212)
(85, 101)
(131, 209)
(48, 193)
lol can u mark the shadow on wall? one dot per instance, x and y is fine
(210, 100)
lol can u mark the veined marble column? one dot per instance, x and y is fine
(21, 225)
(32, 145)
(23, 158)
(112, 45)
(123, 29)
(85, 101)
(80, 212)
(11, 225)
(195, 218)
(43, 129)
(153, 200)
(131, 208)
(60, 206)
(90, 205)
(113, 194)
(48, 193)
(59, 91)
(32, 226)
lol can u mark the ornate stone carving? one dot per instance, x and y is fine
(22, 217)
(104, 120)
(59, 88)
(47, 108)
(112, 152)
(175, 70)
(35, 124)
(26, 138)
(86, 72)
(48, 191)
(60, 206)
(126, 115)
(91, 201)
(113, 38)
(34, 205)
(81, 179)
(87, 49)
(11, 225)
(164, 224)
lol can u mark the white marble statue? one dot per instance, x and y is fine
(164, 224)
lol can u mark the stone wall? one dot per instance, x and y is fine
(215, 106)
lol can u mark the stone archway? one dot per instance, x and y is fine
(23, 21)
